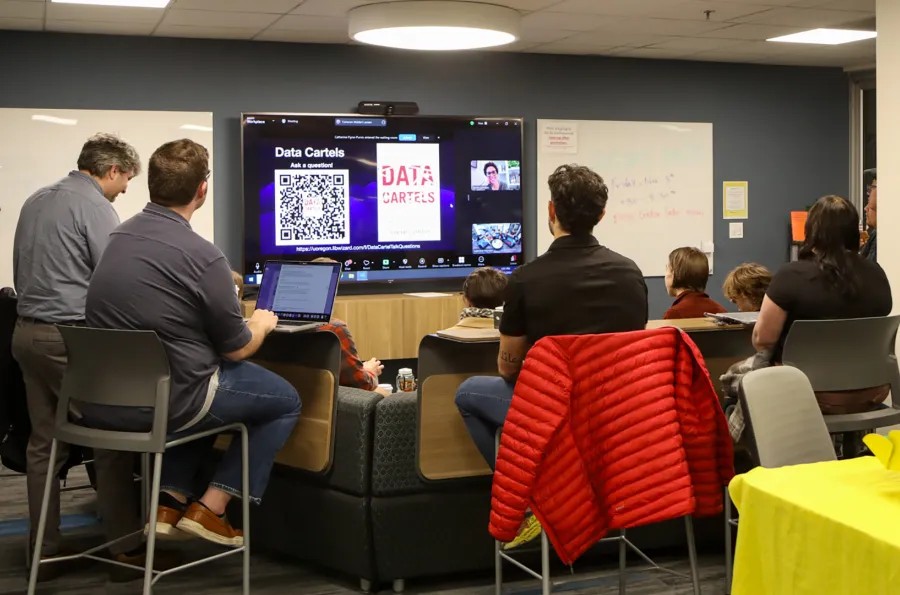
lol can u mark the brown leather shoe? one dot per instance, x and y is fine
(202, 522)
(167, 525)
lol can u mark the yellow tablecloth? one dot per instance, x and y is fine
(818, 529)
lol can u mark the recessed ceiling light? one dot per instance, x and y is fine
(128, 3)
(826, 36)
(434, 25)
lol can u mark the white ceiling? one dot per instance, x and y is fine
(668, 29)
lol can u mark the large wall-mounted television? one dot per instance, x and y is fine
(392, 198)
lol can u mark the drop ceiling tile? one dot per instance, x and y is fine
(285, 35)
(867, 5)
(675, 27)
(334, 8)
(206, 32)
(782, 3)
(563, 48)
(809, 18)
(614, 38)
(18, 9)
(270, 6)
(529, 5)
(612, 7)
(517, 46)
(697, 44)
(310, 23)
(768, 48)
(103, 14)
(695, 10)
(100, 28)
(21, 24)
(727, 56)
(564, 21)
(539, 35)
(206, 18)
(652, 54)
(751, 32)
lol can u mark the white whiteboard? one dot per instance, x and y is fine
(660, 180)
(40, 146)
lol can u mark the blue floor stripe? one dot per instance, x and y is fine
(68, 522)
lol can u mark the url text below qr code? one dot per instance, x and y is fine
(312, 207)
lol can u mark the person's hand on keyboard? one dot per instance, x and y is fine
(266, 320)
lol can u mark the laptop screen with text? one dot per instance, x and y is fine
(299, 291)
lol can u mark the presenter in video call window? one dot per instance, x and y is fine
(492, 178)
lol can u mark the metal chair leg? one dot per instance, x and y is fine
(692, 552)
(145, 484)
(546, 586)
(623, 552)
(729, 558)
(151, 533)
(42, 521)
(245, 504)
(498, 568)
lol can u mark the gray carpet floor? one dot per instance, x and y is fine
(279, 576)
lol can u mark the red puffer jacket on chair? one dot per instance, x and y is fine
(610, 432)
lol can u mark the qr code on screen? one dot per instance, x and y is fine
(312, 207)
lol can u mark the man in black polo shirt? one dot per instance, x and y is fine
(577, 288)
(157, 274)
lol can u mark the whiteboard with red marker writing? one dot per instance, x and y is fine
(660, 181)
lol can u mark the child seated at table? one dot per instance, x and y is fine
(686, 277)
(746, 286)
(483, 291)
(238, 284)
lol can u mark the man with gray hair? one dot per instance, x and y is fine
(60, 236)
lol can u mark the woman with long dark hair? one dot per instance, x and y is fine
(830, 280)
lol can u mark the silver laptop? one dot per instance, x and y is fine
(301, 294)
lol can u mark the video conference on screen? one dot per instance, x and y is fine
(389, 198)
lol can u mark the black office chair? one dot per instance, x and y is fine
(846, 355)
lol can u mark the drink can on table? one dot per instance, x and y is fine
(406, 382)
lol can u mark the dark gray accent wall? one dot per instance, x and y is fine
(784, 129)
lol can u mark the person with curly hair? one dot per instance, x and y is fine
(746, 286)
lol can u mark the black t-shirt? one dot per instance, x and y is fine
(577, 288)
(802, 290)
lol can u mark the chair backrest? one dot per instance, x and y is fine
(783, 419)
(444, 449)
(840, 355)
(120, 368)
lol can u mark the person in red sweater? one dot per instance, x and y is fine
(686, 277)
(355, 373)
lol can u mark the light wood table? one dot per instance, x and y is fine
(390, 326)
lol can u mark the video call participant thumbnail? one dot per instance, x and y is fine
(491, 181)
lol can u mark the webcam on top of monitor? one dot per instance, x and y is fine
(388, 108)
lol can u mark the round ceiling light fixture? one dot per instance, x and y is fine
(434, 25)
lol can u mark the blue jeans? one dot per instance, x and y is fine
(262, 400)
(483, 402)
